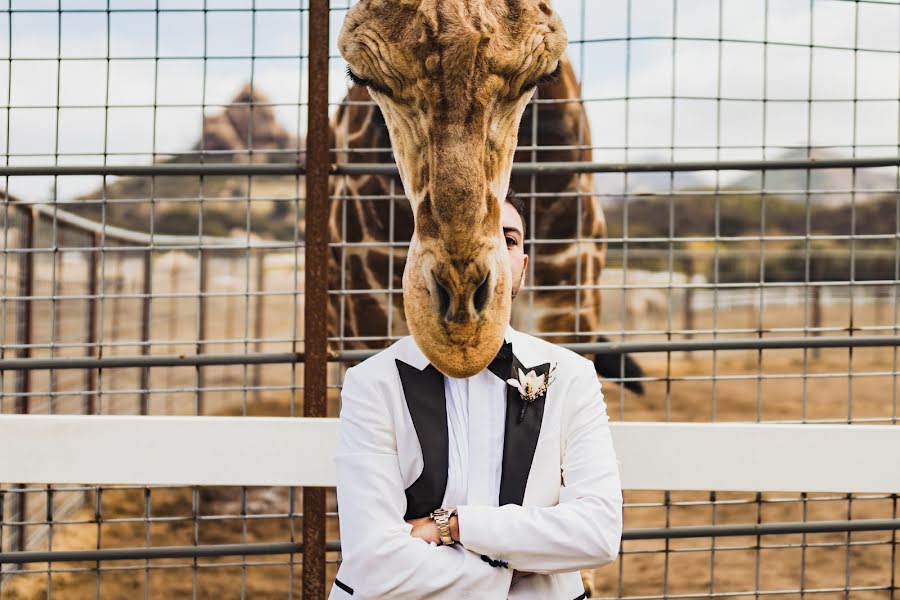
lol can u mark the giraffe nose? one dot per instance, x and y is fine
(461, 297)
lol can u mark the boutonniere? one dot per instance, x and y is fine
(531, 386)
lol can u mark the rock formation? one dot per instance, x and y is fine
(246, 126)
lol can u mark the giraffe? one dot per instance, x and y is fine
(566, 208)
(452, 79)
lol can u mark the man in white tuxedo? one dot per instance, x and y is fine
(460, 488)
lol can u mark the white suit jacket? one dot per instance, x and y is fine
(560, 495)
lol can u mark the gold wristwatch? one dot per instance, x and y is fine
(442, 518)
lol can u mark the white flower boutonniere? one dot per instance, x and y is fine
(531, 386)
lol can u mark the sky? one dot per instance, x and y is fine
(829, 75)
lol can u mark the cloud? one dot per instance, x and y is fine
(809, 94)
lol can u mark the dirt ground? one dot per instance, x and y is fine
(777, 566)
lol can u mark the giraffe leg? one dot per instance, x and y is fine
(620, 365)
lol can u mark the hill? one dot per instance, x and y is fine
(246, 131)
(750, 216)
(793, 185)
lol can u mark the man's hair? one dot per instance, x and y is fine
(518, 204)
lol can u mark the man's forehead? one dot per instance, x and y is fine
(510, 218)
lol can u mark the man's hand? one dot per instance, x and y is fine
(426, 529)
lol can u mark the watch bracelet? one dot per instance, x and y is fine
(443, 526)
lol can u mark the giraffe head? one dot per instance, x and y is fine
(452, 78)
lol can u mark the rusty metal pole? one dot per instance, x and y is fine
(258, 323)
(172, 318)
(90, 375)
(24, 321)
(3, 519)
(144, 385)
(816, 276)
(316, 286)
(23, 335)
(688, 299)
(56, 310)
(201, 326)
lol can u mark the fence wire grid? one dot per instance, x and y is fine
(745, 155)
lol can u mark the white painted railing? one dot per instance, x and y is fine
(299, 452)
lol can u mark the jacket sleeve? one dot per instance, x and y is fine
(584, 530)
(383, 560)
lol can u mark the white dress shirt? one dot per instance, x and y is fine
(476, 415)
(476, 410)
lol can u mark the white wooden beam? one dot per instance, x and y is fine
(759, 457)
(167, 450)
(299, 452)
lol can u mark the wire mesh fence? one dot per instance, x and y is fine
(713, 189)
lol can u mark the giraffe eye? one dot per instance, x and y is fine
(367, 83)
(356, 79)
(551, 77)
(544, 79)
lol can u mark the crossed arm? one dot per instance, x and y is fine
(393, 560)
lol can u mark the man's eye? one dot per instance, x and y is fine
(511, 241)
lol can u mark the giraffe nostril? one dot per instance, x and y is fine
(443, 295)
(480, 298)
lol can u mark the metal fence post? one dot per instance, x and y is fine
(90, 375)
(57, 290)
(172, 318)
(23, 339)
(816, 276)
(23, 317)
(2, 520)
(201, 325)
(145, 330)
(688, 298)
(316, 285)
(259, 321)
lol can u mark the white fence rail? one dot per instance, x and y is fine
(299, 452)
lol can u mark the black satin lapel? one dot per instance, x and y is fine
(500, 366)
(424, 393)
(519, 439)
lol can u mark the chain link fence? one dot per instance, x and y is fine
(162, 164)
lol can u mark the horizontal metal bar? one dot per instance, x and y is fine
(249, 358)
(656, 533)
(168, 360)
(735, 344)
(653, 167)
(159, 169)
(211, 550)
(650, 148)
(703, 531)
(295, 169)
